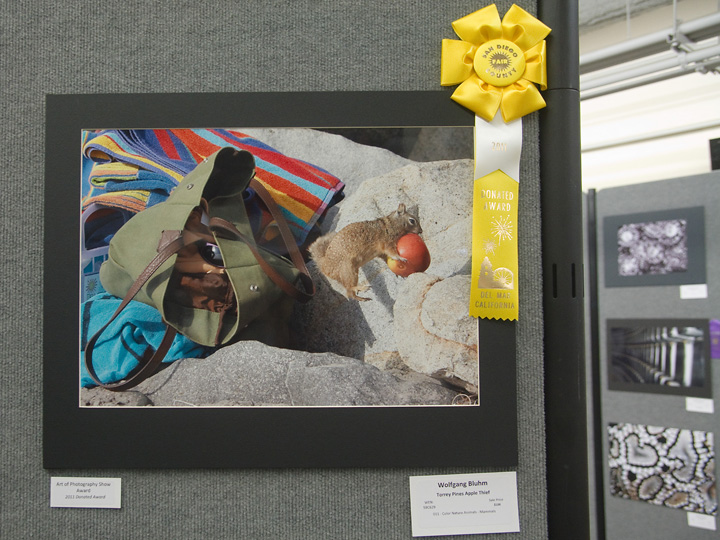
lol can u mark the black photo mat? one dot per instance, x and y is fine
(638, 253)
(659, 356)
(82, 437)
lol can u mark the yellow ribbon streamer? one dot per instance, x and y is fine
(494, 290)
(496, 63)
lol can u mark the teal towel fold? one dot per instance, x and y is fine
(122, 344)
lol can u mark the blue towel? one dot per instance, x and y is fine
(122, 344)
(157, 185)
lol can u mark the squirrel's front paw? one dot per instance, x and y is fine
(352, 293)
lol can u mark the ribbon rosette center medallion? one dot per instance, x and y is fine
(499, 62)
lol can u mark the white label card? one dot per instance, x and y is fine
(693, 292)
(701, 521)
(70, 492)
(464, 504)
(701, 405)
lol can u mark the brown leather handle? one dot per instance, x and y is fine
(220, 225)
(283, 226)
(170, 243)
(301, 295)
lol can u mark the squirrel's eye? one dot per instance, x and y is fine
(411, 221)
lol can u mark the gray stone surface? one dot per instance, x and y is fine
(252, 374)
(434, 333)
(99, 397)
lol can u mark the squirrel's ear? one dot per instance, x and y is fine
(401, 208)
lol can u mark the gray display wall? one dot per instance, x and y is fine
(148, 47)
(619, 211)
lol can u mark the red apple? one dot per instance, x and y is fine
(412, 248)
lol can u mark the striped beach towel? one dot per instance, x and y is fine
(134, 169)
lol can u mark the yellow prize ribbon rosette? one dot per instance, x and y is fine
(496, 65)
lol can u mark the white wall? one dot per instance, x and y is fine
(688, 105)
(642, 21)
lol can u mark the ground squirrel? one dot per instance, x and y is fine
(339, 255)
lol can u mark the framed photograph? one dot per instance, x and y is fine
(661, 356)
(663, 466)
(398, 380)
(665, 247)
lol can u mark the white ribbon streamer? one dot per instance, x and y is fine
(498, 146)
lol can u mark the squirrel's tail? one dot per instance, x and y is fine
(318, 248)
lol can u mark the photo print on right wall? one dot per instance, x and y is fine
(669, 467)
(660, 356)
(665, 247)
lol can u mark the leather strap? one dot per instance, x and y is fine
(223, 225)
(220, 225)
(170, 243)
(283, 226)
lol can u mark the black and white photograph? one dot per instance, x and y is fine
(663, 466)
(659, 356)
(665, 247)
(658, 247)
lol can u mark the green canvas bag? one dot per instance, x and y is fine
(194, 258)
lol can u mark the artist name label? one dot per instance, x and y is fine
(464, 504)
